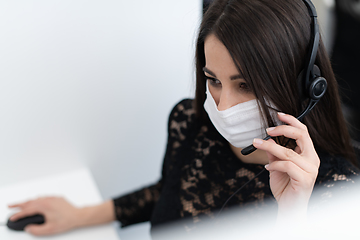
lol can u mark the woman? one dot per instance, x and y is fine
(249, 59)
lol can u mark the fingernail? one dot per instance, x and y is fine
(27, 230)
(270, 129)
(266, 166)
(258, 141)
(280, 113)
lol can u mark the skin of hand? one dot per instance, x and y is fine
(61, 216)
(292, 172)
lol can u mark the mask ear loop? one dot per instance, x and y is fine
(250, 149)
(311, 105)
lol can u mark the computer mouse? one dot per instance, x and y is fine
(21, 223)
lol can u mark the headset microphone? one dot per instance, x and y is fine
(310, 83)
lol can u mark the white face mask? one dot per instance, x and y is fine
(240, 124)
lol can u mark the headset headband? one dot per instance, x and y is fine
(314, 44)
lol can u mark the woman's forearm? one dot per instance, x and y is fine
(94, 215)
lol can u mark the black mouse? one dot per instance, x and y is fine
(21, 223)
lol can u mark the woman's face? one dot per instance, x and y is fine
(225, 82)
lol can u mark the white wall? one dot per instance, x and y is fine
(91, 83)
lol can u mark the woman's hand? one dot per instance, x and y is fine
(59, 214)
(292, 172)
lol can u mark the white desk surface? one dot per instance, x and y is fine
(77, 186)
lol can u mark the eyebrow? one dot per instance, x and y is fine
(234, 77)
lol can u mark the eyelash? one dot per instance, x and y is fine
(216, 83)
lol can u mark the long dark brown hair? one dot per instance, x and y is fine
(268, 41)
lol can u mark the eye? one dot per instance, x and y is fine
(244, 86)
(213, 81)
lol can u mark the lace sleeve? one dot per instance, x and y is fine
(138, 206)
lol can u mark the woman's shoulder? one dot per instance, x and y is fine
(336, 169)
(183, 111)
(184, 107)
(337, 178)
(182, 119)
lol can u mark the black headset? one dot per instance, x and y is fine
(310, 83)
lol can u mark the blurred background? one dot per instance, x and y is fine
(91, 83)
(345, 56)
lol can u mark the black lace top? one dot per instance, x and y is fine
(200, 172)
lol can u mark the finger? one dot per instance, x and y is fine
(297, 150)
(271, 157)
(291, 120)
(14, 205)
(20, 205)
(289, 168)
(301, 137)
(295, 173)
(40, 229)
(283, 153)
(24, 213)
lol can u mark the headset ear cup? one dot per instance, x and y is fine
(317, 88)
